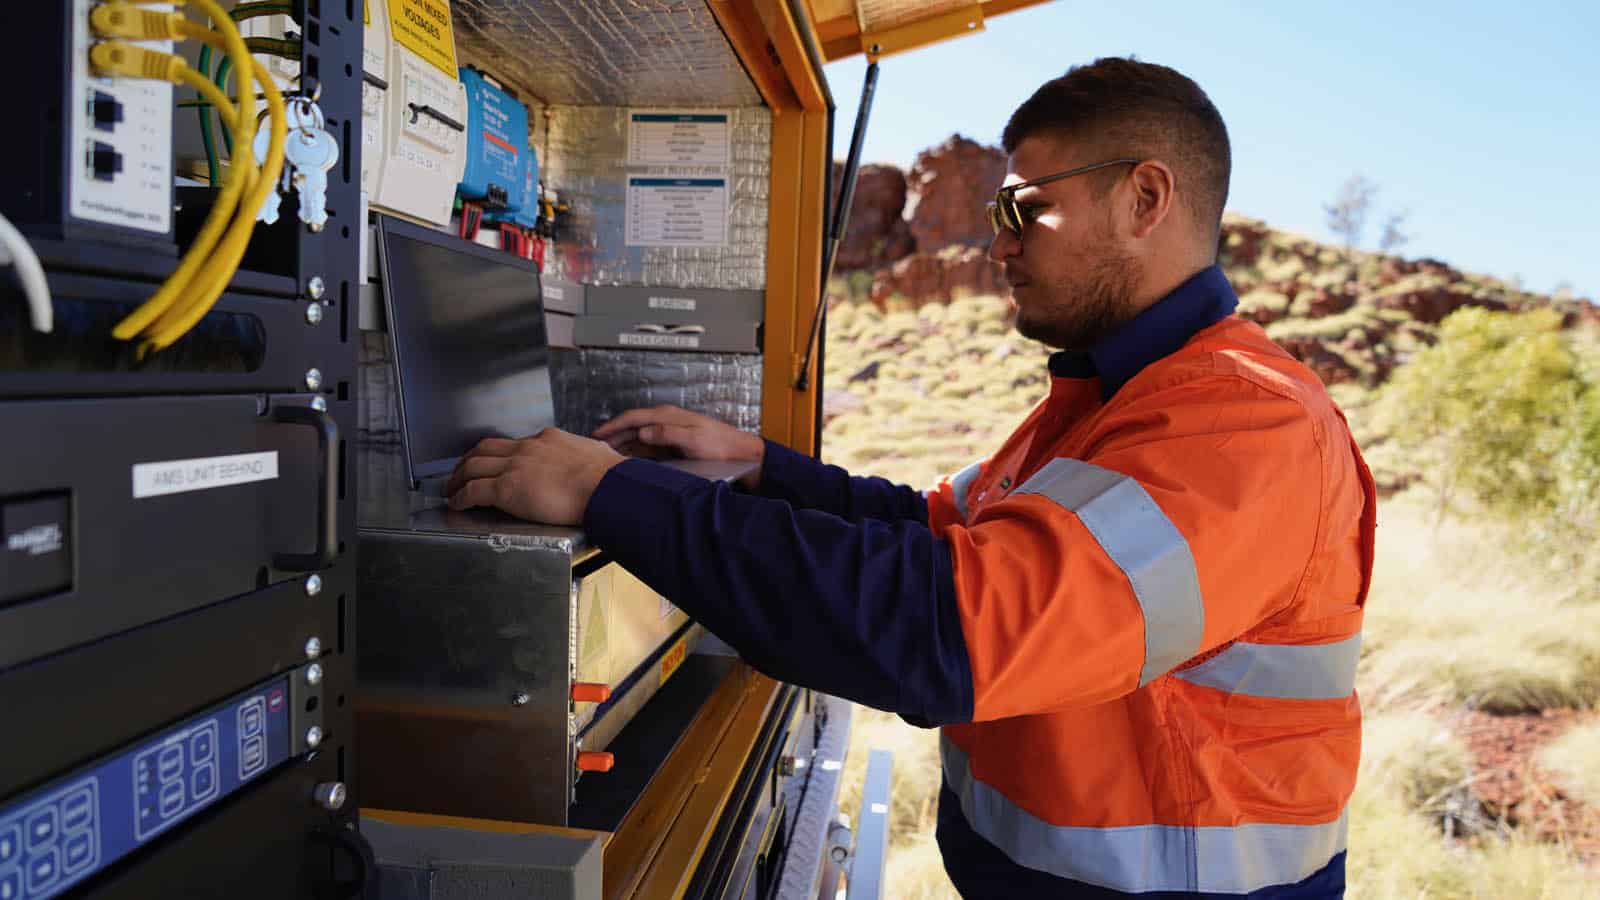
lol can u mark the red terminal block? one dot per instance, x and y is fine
(590, 692)
(595, 761)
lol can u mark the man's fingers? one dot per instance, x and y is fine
(631, 419)
(494, 447)
(619, 439)
(476, 467)
(478, 492)
(664, 435)
(641, 416)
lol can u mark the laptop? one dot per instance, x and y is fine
(472, 358)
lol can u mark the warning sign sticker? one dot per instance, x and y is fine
(423, 27)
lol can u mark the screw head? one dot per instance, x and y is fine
(313, 379)
(330, 795)
(313, 737)
(313, 312)
(320, 404)
(314, 674)
(313, 648)
(315, 287)
(313, 585)
(520, 698)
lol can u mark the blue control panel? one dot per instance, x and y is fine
(526, 215)
(56, 836)
(497, 145)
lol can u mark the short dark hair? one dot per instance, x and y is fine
(1124, 107)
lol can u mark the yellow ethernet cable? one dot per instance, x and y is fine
(178, 319)
(123, 19)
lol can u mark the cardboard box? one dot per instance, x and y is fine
(700, 337)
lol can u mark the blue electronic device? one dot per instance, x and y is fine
(54, 837)
(497, 145)
(526, 215)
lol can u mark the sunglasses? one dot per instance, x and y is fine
(1005, 213)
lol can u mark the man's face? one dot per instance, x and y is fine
(1072, 279)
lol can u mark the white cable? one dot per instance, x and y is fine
(28, 269)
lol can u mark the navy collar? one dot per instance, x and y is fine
(1204, 300)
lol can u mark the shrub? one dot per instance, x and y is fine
(1503, 416)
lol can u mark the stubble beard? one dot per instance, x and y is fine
(1081, 311)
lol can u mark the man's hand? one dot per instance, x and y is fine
(670, 431)
(545, 478)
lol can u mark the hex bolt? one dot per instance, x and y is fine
(320, 404)
(315, 287)
(313, 313)
(313, 737)
(314, 674)
(313, 648)
(330, 795)
(520, 698)
(314, 379)
(313, 585)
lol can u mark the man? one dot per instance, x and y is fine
(1137, 622)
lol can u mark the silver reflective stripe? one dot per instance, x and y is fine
(1145, 544)
(1282, 671)
(1136, 858)
(961, 482)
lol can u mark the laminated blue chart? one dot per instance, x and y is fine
(498, 156)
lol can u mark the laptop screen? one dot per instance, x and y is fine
(470, 349)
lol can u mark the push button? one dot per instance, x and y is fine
(41, 828)
(35, 546)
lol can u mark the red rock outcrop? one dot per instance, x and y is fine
(877, 233)
(939, 277)
(949, 187)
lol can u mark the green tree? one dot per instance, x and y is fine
(1490, 412)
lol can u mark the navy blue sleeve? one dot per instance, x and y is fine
(863, 610)
(808, 484)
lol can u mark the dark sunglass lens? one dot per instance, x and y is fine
(1012, 216)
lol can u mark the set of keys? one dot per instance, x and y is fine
(309, 152)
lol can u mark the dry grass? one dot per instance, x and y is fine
(1454, 620)
(1574, 758)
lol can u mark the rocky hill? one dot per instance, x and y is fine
(918, 329)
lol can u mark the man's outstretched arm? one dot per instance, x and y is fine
(864, 610)
(781, 473)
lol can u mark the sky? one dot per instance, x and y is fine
(1479, 121)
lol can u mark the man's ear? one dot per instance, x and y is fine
(1153, 186)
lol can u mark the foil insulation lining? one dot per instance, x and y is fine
(604, 52)
(594, 385)
(583, 153)
(590, 386)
